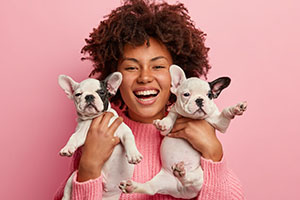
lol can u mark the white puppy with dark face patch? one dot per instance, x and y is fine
(91, 98)
(181, 175)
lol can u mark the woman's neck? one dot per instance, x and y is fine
(148, 120)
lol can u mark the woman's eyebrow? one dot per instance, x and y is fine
(130, 59)
(136, 61)
(158, 57)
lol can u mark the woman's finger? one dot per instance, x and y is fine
(182, 120)
(178, 127)
(115, 140)
(96, 121)
(105, 120)
(113, 127)
(177, 134)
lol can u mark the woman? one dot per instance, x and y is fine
(141, 40)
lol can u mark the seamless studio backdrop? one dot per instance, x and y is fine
(255, 42)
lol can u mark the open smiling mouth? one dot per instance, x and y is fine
(146, 95)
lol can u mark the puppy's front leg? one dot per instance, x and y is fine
(222, 120)
(237, 109)
(77, 139)
(128, 141)
(166, 124)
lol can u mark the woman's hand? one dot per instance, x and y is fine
(98, 146)
(201, 135)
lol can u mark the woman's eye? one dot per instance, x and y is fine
(78, 94)
(186, 94)
(130, 68)
(159, 67)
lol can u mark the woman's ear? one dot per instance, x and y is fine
(177, 77)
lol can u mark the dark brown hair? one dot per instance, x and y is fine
(134, 23)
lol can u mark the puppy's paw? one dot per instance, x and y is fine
(134, 156)
(160, 125)
(68, 150)
(240, 108)
(179, 170)
(163, 125)
(127, 186)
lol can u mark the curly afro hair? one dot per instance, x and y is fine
(134, 23)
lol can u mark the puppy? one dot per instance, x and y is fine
(181, 175)
(91, 98)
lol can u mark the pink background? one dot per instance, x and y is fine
(255, 42)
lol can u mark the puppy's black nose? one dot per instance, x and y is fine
(199, 102)
(89, 98)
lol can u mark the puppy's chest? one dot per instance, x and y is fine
(174, 150)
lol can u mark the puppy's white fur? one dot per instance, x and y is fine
(181, 175)
(91, 100)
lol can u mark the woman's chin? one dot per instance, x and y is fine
(146, 115)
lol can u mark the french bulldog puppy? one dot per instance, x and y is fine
(91, 98)
(181, 175)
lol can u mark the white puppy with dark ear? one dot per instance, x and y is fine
(181, 175)
(91, 98)
(195, 100)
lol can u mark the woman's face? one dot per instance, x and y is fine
(145, 88)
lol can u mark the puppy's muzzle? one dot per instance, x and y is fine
(89, 98)
(199, 102)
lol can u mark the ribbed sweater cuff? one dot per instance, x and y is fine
(89, 190)
(214, 171)
(215, 185)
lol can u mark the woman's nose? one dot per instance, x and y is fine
(145, 76)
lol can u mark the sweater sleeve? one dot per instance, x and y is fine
(88, 190)
(219, 182)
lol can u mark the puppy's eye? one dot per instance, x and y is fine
(78, 94)
(186, 94)
(210, 95)
(101, 92)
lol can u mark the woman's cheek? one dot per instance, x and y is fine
(164, 79)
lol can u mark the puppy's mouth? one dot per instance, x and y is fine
(200, 111)
(90, 106)
(146, 94)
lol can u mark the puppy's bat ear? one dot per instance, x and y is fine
(113, 82)
(177, 77)
(67, 84)
(217, 86)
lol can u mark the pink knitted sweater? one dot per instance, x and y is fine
(219, 182)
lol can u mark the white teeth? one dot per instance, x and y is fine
(146, 92)
(149, 99)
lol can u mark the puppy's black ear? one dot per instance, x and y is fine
(217, 86)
